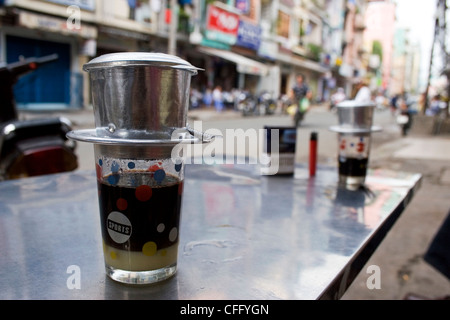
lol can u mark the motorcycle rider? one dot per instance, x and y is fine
(301, 95)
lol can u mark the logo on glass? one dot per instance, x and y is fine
(119, 227)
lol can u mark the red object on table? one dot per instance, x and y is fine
(312, 154)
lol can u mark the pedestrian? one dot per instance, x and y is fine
(195, 98)
(436, 106)
(207, 98)
(218, 98)
(404, 118)
(380, 101)
(393, 104)
(301, 95)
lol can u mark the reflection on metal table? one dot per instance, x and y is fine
(242, 235)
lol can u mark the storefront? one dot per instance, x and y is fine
(57, 84)
(48, 86)
(229, 49)
(234, 69)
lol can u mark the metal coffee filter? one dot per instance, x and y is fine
(138, 95)
(355, 117)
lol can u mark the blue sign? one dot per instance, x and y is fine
(249, 35)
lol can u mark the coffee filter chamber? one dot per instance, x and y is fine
(138, 95)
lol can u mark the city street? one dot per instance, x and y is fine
(319, 119)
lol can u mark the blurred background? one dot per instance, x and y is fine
(251, 46)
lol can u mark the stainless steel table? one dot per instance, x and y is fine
(242, 235)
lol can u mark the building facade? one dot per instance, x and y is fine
(254, 45)
(380, 17)
(394, 62)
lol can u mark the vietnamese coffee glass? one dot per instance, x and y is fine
(354, 139)
(353, 158)
(140, 105)
(140, 195)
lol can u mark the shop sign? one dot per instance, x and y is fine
(221, 25)
(214, 44)
(249, 35)
(82, 4)
(41, 22)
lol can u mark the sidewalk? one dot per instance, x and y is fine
(400, 255)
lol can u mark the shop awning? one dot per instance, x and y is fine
(244, 64)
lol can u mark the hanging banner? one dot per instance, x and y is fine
(221, 25)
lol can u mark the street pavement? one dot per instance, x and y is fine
(400, 255)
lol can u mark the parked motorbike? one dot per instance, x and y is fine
(284, 102)
(246, 103)
(267, 104)
(228, 100)
(31, 147)
(250, 104)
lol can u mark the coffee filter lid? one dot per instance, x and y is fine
(126, 59)
(355, 130)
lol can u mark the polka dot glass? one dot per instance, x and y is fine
(140, 206)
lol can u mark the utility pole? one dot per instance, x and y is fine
(439, 38)
(426, 104)
(446, 56)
